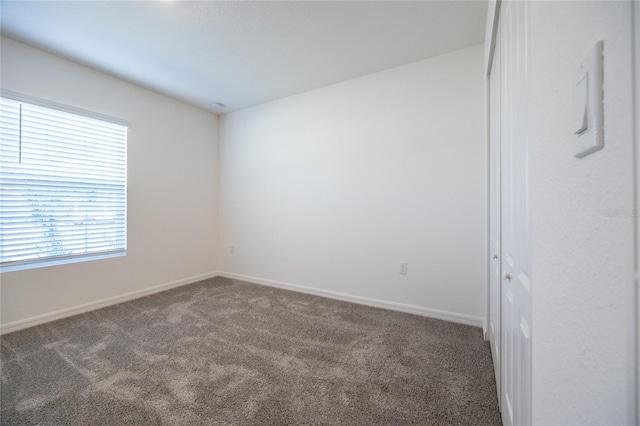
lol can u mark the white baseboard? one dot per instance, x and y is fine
(394, 306)
(103, 303)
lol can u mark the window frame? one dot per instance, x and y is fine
(80, 257)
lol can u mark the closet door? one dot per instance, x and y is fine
(495, 194)
(515, 221)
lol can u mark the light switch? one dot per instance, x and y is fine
(587, 104)
(580, 98)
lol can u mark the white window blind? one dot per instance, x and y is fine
(62, 185)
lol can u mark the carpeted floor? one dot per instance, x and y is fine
(229, 352)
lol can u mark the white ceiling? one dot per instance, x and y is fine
(243, 53)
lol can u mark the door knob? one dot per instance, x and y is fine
(507, 277)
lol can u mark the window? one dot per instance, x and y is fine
(62, 186)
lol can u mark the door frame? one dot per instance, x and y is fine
(635, 33)
(493, 13)
(491, 32)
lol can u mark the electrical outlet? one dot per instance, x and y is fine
(403, 268)
(232, 249)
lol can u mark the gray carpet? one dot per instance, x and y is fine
(229, 352)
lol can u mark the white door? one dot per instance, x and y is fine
(636, 33)
(516, 258)
(495, 279)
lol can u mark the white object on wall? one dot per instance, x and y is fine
(588, 125)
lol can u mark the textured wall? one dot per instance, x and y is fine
(171, 187)
(582, 249)
(332, 188)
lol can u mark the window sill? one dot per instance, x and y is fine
(56, 262)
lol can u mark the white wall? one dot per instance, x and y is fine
(583, 259)
(172, 183)
(332, 188)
